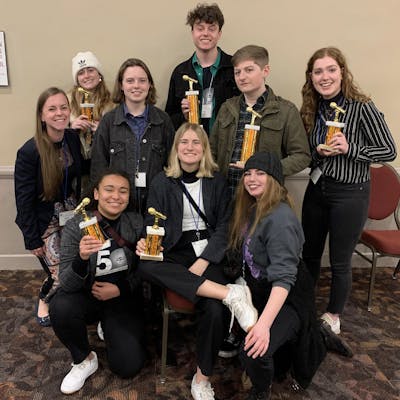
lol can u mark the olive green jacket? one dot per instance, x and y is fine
(281, 131)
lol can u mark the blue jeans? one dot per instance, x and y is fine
(341, 210)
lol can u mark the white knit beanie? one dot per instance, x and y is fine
(82, 60)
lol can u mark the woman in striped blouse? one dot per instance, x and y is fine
(337, 196)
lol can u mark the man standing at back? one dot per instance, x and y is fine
(209, 65)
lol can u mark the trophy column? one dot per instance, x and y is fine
(333, 127)
(154, 235)
(193, 98)
(90, 226)
(86, 135)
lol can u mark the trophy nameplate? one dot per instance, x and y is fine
(154, 235)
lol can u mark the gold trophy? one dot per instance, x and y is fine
(154, 238)
(333, 127)
(86, 135)
(193, 97)
(249, 137)
(90, 226)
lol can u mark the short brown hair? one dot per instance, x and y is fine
(118, 96)
(208, 13)
(252, 52)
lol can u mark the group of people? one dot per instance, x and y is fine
(130, 155)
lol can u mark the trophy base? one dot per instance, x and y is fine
(327, 148)
(158, 257)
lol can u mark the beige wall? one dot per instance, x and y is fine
(43, 36)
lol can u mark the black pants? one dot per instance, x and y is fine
(121, 320)
(283, 330)
(341, 210)
(212, 316)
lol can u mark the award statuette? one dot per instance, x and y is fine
(193, 97)
(90, 226)
(249, 137)
(154, 238)
(86, 109)
(333, 127)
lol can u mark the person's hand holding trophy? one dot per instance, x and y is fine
(154, 235)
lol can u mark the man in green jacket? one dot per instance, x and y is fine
(281, 128)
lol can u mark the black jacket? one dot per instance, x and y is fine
(224, 87)
(33, 213)
(166, 196)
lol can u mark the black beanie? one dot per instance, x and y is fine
(267, 162)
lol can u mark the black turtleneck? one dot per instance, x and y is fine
(189, 177)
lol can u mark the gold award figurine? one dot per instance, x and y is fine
(154, 237)
(333, 127)
(193, 97)
(90, 226)
(249, 137)
(86, 109)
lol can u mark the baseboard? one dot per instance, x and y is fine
(18, 261)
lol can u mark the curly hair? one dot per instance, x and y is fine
(208, 13)
(349, 88)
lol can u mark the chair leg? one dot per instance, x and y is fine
(394, 276)
(164, 345)
(372, 279)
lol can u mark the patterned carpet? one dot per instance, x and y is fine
(33, 362)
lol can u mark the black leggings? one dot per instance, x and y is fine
(121, 320)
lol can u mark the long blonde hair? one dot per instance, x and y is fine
(51, 165)
(207, 165)
(310, 96)
(246, 205)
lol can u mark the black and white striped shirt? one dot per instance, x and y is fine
(369, 140)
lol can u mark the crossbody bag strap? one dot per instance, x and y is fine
(193, 203)
(113, 233)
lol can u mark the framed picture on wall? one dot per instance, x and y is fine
(3, 61)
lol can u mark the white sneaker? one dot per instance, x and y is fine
(333, 323)
(202, 390)
(100, 332)
(239, 303)
(75, 379)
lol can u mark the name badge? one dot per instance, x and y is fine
(65, 216)
(207, 103)
(140, 179)
(315, 175)
(199, 246)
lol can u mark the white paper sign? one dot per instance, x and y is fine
(3, 61)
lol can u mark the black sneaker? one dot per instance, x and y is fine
(230, 346)
(334, 342)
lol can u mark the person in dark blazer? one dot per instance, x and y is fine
(47, 171)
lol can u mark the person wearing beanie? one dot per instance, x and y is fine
(266, 240)
(136, 136)
(87, 74)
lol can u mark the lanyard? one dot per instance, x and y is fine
(65, 185)
(196, 222)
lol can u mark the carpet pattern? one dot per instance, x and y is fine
(33, 362)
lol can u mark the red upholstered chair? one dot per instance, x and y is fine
(172, 303)
(384, 202)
